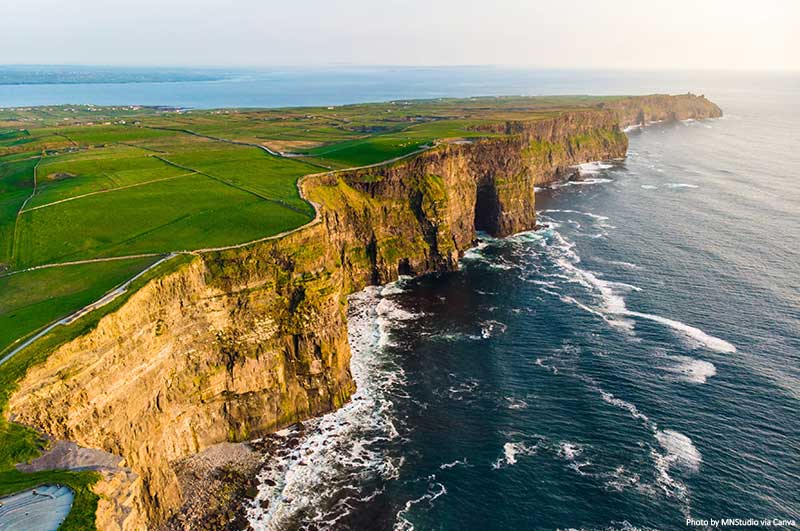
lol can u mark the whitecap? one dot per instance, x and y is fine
(492, 328)
(453, 464)
(435, 490)
(623, 404)
(516, 403)
(389, 309)
(613, 308)
(583, 182)
(476, 253)
(593, 168)
(569, 450)
(621, 479)
(680, 449)
(579, 212)
(682, 185)
(626, 265)
(511, 450)
(649, 186)
(692, 370)
(694, 335)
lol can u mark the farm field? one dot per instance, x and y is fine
(33, 299)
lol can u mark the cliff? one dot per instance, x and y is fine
(239, 343)
(642, 110)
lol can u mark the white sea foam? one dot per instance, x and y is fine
(612, 304)
(587, 214)
(681, 185)
(492, 328)
(569, 450)
(435, 490)
(612, 307)
(649, 186)
(593, 168)
(680, 450)
(462, 390)
(389, 309)
(476, 253)
(516, 403)
(681, 453)
(453, 464)
(583, 182)
(691, 370)
(627, 265)
(621, 478)
(540, 362)
(511, 450)
(694, 335)
(341, 448)
(624, 404)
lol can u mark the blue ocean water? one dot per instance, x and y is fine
(280, 87)
(635, 364)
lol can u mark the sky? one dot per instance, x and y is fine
(607, 34)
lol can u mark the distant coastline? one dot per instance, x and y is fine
(28, 75)
(276, 87)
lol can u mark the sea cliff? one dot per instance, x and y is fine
(239, 343)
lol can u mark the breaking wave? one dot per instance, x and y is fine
(609, 295)
(511, 451)
(312, 478)
(688, 369)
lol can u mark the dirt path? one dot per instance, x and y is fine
(105, 191)
(22, 208)
(262, 147)
(105, 299)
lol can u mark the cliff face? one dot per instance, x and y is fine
(642, 110)
(243, 342)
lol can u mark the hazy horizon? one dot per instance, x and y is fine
(714, 35)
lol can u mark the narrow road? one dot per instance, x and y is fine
(73, 198)
(105, 299)
(22, 208)
(79, 262)
(262, 147)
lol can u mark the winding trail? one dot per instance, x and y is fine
(102, 301)
(22, 209)
(106, 191)
(262, 147)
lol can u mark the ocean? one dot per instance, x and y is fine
(634, 365)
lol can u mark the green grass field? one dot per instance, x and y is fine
(34, 299)
(16, 185)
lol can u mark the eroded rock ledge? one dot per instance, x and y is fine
(240, 343)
